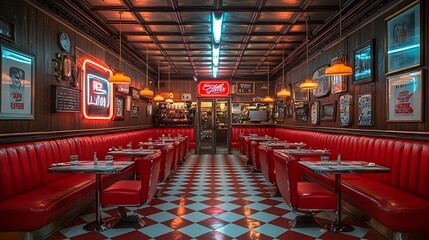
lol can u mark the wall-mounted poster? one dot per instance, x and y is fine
(301, 112)
(338, 84)
(328, 112)
(186, 96)
(135, 112)
(123, 88)
(404, 94)
(7, 29)
(363, 67)
(280, 111)
(245, 88)
(119, 108)
(300, 95)
(364, 104)
(314, 113)
(17, 84)
(403, 40)
(135, 93)
(323, 82)
(289, 110)
(345, 110)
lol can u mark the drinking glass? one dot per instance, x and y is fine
(73, 160)
(109, 159)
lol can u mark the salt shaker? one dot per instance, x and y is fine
(339, 159)
(95, 158)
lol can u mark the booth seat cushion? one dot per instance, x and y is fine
(237, 131)
(174, 131)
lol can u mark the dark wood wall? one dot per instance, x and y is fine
(375, 30)
(36, 34)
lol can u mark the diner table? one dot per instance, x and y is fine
(86, 167)
(298, 153)
(280, 144)
(337, 169)
(132, 154)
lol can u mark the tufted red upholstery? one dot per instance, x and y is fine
(255, 156)
(237, 131)
(265, 155)
(398, 199)
(167, 158)
(184, 131)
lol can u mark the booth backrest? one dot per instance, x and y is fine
(408, 160)
(247, 130)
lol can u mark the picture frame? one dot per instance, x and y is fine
(128, 104)
(186, 96)
(300, 95)
(7, 29)
(280, 111)
(301, 112)
(404, 97)
(403, 39)
(363, 63)
(245, 88)
(364, 108)
(338, 84)
(315, 113)
(289, 110)
(17, 84)
(323, 82)
(328, 111)
(135, 93)
(149, 109)
(135, 111)
(346, 110)
(119, 105)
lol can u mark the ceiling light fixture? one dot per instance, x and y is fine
(217, 26)
(284, 93)
(215, 54)
(268, 99)
(158, 97)
(308, 83)
(119, 76)
(338, 65)
(146, 91)
(215, 69)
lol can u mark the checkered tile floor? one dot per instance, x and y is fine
(215, 197)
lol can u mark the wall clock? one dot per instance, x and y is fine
(64, 42)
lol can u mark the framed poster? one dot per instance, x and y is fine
(345, 110)
(403, 39)
(245, 88)
(338, 84)
(289, 110)
(301, 112)
(280, 111)
(7, 29)
(17, 84)
(404, 93)
(135, 93)
(314, 113)
(135, 112)
(123, 88)
(119, 108)
(323, 82)
(363, 66)
(300, 95)
(364, 110)
(185, 96)
(149, 109)
(328, 111)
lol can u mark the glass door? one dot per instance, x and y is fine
(206, 134)
(222, 126)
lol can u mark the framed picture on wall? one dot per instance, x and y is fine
(7, 29)
(289, 110)
(119, 106)
(300, 95)
(301, 112)
(364, 104)
(328, 111)
(403, 39)
(185, 96)
(135, 93)
(338, 84)
(245, 88)
(404, 93)
(363, 66)
(345, 110)
(17, 84)
(314, 113)
(135, 112)
(323, 82)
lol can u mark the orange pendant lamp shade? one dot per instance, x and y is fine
(146, 92)
(308, 84)
(119, 78)
(339, 68)
(158, 98)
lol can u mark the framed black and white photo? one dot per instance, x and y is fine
(7, 29)
(17, 84)
(135, 112)
(404, 93)
(403, 39)
(135, 93)
(364, 107)
(119, 105)
(323, 82)
(363, 66)
(300, 95)
(346, 110)
(301, 112)
(314, 113)
(328, 111)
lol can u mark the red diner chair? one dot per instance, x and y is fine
(305, 198)
(134, 193)
(255, 157)
(167, 158)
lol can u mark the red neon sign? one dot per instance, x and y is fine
(213, 89)
(96, 89)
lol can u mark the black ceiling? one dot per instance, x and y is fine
(255, 33)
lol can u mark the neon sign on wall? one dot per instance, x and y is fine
(213, 89)
(97, 97)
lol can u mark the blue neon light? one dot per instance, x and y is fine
(217, 26)
(404, 48)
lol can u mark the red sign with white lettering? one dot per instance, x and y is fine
(214, 89)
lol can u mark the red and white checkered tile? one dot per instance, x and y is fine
(215, 197)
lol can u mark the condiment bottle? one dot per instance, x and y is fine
(339, 159)
(95, 158)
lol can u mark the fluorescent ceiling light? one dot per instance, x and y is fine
(215, 55)
(215, 69)
(217, 26)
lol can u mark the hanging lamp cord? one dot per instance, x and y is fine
(147, 66)
(283, 67)
(339, 44)
(268, 79)
(120, 40)
(306, 42)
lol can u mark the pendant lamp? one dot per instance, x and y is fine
(170, 95)
(268, 99)
(119, 76)
(146, 91)
(339, 66)
(284, 93)
(158, 97)
(308, 83)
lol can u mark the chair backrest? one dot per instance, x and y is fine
(255, 157)
(167, 153)
(149, 173)
(287, 178)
